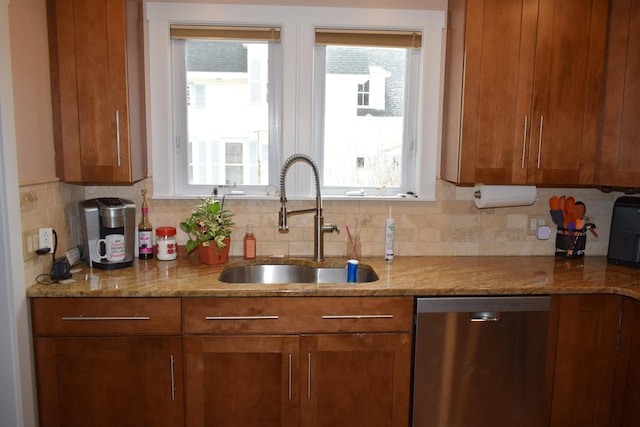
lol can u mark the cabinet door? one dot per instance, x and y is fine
(355, 379)
(620, 150)
(569, 67)
(107, 381)
(585, 360)
(90, 90)
(627, 385)
(241, 381)
(499, 46)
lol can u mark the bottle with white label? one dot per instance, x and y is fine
(145, 231)
(389, 230)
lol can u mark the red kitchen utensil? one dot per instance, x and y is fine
(569, 214)
(580, 209)
(553, 203)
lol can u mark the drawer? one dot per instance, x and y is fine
(105, 316)
(296, 315)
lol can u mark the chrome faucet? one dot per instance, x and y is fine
(319, 226)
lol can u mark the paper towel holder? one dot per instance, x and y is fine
(495, 196)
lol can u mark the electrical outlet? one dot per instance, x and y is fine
(535, 221)
(45, 237)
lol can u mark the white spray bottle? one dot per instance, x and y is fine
(389, 231)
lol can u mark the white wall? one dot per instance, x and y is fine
(16, 387)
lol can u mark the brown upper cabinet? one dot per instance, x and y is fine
(97, 89)
(523, 90)
(620, 145)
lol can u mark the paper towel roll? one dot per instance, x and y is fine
(497, 196)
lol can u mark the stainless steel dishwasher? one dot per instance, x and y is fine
(480, 361)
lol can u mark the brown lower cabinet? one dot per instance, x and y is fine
(306, 380)
(110, 381)
(584, 359)
(596, 379)
(296, 361)
(341, 362)
(105, 362)
(626, 402)
(222, 361)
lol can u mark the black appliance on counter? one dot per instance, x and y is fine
(624, 238)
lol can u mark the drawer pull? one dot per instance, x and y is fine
(359, 316)
(106, 318)
(241, 317)
(172, 362)
(308, 375)
(290, 367)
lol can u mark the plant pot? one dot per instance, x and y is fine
(212, 254)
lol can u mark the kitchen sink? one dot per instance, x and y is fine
(293, 273)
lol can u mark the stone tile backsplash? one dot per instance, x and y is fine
(452, 225)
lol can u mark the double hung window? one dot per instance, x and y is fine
(234, 90)
(366, 80)
(221, 78)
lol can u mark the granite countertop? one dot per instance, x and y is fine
(403, 276)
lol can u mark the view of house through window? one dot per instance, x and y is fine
(367, 121)
(227, 112)
(364, 116)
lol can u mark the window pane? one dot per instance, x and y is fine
(364, 116)
(226, 90)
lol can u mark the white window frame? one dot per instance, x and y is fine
(296, 103)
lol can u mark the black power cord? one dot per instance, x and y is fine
(61, 268)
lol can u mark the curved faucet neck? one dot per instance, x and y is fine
(283, 173)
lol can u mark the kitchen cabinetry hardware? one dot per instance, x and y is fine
(118, 136)
(290, 394)
(358, 316)
(308, 375)
(172, 361)
(242, 317)
(540, 141)
(98, 318)
(524, 141)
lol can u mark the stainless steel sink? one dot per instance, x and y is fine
(293, 273)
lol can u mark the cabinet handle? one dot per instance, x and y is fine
(290, 361)
(118, 135)
(173, 381)
(308, 375)
(358, 316)
(241, 317)
(524, 140)
(106, 318)
(540, 140)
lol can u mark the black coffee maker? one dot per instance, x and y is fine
(624, 239)
(102, 217)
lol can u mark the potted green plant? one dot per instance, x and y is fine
(209, 230)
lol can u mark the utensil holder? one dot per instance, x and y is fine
(570, 243)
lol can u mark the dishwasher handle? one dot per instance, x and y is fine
(485, 316)
(484, 306)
